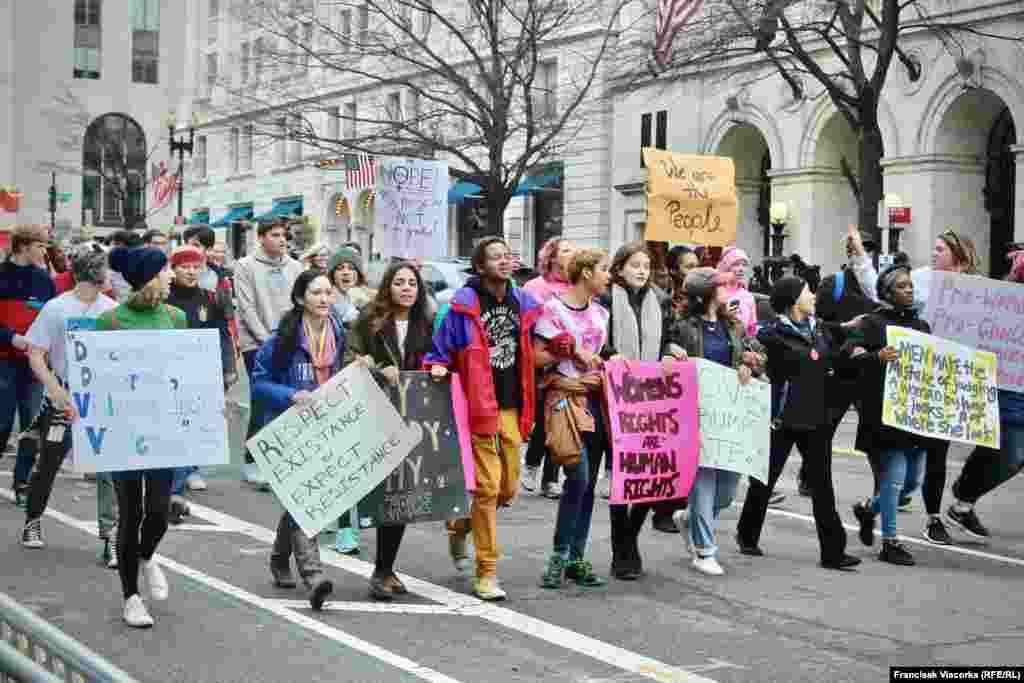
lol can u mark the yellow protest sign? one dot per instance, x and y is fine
(941, 389)
(690, 198)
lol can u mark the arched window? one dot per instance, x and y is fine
(114, 178)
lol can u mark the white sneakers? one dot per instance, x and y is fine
(156, 582)
(708, 565)
(135, 613)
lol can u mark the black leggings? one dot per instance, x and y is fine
(140, 512)
(935, 476)
(51, 457)
(389, 538)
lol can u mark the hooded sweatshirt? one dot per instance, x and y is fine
(23, 292)
(263, 286)
(545, 287)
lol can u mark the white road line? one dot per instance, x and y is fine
(960, 550)
(467, 605)
(370, 607)
(272, 606)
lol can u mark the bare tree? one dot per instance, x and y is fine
(842, 49)
(495, 87)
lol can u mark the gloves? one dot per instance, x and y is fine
(563, 346)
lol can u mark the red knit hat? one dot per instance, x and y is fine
(187, 254)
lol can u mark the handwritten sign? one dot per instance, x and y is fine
(653, 420)
(941, 389)
(322, 457)
(429, 485)
(411, 211)
(147, 399)
(690, 198)
(983, 313)
(735, 421)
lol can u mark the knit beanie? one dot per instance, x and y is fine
(88, 263)
(349, 256)
(138, 266)
(701, 282)
(186, 254)
(785, 293)
(730, 257)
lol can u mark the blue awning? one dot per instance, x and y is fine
(282, 209)
(200, 217)
(239, 213)
(462, 190)
(458, 192)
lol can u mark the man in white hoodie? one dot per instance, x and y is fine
(263, 286)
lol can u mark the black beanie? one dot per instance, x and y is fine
(785, 292)
(138, 266)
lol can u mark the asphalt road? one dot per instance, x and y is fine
(776, 618)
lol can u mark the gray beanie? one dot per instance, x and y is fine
(701, 282)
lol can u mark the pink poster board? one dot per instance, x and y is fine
(654, 422)
(461, 408)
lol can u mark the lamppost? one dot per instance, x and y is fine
(778, 216)
(180, 146)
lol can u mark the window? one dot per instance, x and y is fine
(350, 120)
(233, 150)
(88, 36)
(246, 155)
(645, 135)
(364, 24)
(281, 148)
(145, 41)
(246, 61)
(661, 130)
(295, 140)
(333, 123)
(545, 85)
(344, 30)
(211, 73)
(393, 107)
(199, 157)
(306, 47)
(114, 171)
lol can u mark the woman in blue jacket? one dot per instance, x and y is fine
(306, 351)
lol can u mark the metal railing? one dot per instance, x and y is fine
(34, 651)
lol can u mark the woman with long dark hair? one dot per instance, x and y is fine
(304, 352)
(392, 334)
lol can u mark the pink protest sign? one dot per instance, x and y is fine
(653, 422)
(461, 410)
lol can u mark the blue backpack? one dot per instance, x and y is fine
(839, 286)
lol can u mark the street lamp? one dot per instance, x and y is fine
(778, 216)
(180, 146)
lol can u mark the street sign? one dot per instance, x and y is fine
(899, 215)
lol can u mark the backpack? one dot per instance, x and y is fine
(839, 286)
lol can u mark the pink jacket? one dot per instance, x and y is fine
(545, 287)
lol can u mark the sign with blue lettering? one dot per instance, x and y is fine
(147, 399)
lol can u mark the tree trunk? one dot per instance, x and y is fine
(871, 153)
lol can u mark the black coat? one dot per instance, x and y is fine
(851, 303)
(801, 371)
(382, 345)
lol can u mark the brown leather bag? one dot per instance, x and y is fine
(566, 417)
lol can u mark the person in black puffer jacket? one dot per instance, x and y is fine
(801, 356)
(901, 454)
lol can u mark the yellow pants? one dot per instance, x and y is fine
(497, 479)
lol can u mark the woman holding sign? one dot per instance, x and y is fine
(143, 496)
(710, 331)
(392, 334)
(304, 352)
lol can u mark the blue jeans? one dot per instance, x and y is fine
(576, 506)
(897, 467)
(21, 393)
(180, 475)
(713, 491)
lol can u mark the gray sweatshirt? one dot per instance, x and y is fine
(263, 287)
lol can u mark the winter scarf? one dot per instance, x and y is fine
(628, 339)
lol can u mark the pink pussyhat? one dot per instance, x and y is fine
(730, 257)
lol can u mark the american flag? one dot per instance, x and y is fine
(672, 16)
(360, 171)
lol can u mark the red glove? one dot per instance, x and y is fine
(563, 346)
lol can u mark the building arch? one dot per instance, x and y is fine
(751, 115)
(823, 115)
(114, 155)
(748, 147)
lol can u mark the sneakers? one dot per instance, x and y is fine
(708, 565)
(32, 534)
(968, 521)
(135, 613)
(529, 480)
(487, 588)
(319, 589)
(346, 541)
(195, 482)
(906, 504)
(935, 532)
(458, 551)
(251, 475)
(156, 582)
(552, 576)
(582, 572)
(753, 550)
(552, 490)
(866, 516)
(846, 563)
(281, 571)
(179, 510)
(893, 552)
(108, 555)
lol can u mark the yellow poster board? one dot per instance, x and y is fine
(941, 389)
(690, 198)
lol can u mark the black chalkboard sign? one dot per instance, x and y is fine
(430, 484)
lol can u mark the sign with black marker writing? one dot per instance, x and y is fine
(735, 421)
(690, 198)
(430, 484)
(147, 399)
(323, 456)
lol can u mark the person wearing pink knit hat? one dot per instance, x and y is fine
(741, 302)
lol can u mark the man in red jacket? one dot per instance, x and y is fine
(24, 289)
(485, 338)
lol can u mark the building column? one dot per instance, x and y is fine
(1018, 204)
(821, 205)
(749, 233)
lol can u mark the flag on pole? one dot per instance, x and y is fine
(360, 171)
(672, 17)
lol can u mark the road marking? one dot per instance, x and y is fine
(386, 656)
(960, 550)
(467, 605)
(370, 607)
